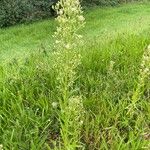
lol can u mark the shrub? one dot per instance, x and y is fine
(18, 11)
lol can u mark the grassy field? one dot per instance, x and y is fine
(108, 77)
(101, 22)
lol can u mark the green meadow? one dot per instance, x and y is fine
(115, 39)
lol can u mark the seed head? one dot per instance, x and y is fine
(54, 104)
(81, 18)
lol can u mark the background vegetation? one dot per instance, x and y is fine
(19, 11)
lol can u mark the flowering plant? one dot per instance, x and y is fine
(67, 59)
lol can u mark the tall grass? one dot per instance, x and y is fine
(107, 77)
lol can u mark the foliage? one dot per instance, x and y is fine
(18, 11)
(108, 75)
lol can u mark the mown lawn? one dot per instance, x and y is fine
(101, 22)
(114, 42)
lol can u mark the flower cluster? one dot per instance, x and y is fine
(70, 20)
(75, 106)
(73, 114)
(145, 65)
(111, 66)
(66, 60)
(1, 147)
(143, 76)
(67, 39)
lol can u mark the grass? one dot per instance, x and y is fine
(116, 35)
(19, 40)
